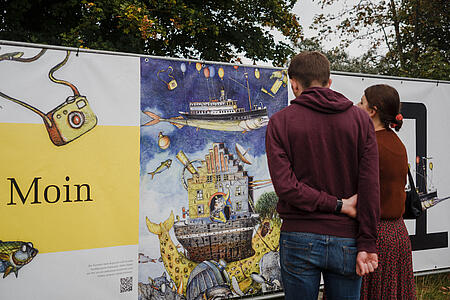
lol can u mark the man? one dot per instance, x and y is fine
(323, 161)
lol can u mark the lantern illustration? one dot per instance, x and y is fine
(257, 74)
(198, 66)
(221, 73)
(206, 72)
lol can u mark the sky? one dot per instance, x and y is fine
(306, 10)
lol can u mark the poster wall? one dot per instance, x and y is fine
(134, 177)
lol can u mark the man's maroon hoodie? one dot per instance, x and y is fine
(320, 148)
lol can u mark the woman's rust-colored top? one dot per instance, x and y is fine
(393, 172)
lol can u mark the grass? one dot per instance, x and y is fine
(436, 287)
(428, 287)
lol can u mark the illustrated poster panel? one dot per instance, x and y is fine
(69, 185)
(207, 220)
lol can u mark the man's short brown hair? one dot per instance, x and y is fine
(308, 66)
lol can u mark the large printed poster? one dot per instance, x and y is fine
(133, 177)
(69, 165)
(207, 221)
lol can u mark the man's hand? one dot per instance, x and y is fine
(366, 263)
(349, 206)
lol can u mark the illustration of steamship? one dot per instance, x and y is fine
(223, 109)
(220, 218)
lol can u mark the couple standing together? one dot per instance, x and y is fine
(340, 174)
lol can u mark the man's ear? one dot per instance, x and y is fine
(329, 83)
(296, 87)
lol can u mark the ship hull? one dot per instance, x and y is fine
(230, 116)
(231, 241)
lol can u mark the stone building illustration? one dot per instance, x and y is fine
(220, 216)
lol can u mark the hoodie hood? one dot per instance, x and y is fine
(323, 100)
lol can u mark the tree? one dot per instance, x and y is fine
(341, 60)
(266, 205)
(203, 29)
(414, 32)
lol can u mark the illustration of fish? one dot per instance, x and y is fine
(219, 125)
(15, 255)
(162, 167)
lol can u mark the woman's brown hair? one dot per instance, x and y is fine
(386, 101)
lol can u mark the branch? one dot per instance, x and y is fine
(386, 38)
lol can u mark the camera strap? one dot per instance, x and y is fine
(17, 56)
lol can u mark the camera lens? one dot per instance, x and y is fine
(76, 119)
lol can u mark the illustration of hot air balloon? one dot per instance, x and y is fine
(206, 72)
(183, 68)
(221, 73)
(198, 66)
(212, 71)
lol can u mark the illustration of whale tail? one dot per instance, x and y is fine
(161, 227)
(155, 118)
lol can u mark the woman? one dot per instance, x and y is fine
(394, 277)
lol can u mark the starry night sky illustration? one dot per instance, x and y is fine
(194, 85)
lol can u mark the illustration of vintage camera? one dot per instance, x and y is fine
(70, 120)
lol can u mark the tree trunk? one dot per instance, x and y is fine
(397, 35)
(416, 31)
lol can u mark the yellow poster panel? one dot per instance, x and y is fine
(82, 195)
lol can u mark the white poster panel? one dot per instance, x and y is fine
(69, 175)
(425, 131)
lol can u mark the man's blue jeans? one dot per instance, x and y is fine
(304, 256)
